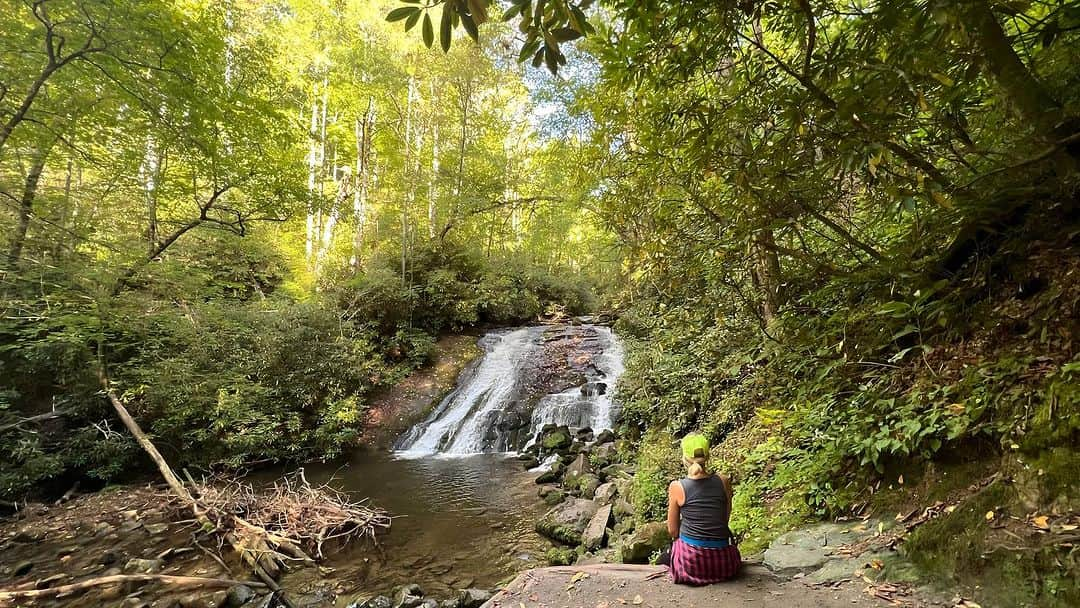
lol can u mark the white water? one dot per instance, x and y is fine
(468, 419)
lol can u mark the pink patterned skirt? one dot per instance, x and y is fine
(703, 566)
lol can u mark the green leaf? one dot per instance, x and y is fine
(539, 57)
(428, 31)
(446, 28)
(512, 12)
(529, 49)
(470, 26)
(566, 34)
(478, 10)
(413, 20)
(402, 12)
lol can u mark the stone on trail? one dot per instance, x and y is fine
(593, 536)
(143, 566)
(645, 540)
(809, 548)
(567, 521)
(473, 598)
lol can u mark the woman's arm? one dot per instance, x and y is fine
(675, 499)
(728, 491)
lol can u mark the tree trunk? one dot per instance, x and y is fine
(767, 275)
(433, 189)
(313, 163)
(1025, 94)
(363, 130)
(26, 204)
(409, 177)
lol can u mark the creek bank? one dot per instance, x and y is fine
(593, 524)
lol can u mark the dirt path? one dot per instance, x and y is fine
(407, 402)
(614, 585)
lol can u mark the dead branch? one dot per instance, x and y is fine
(7, 597)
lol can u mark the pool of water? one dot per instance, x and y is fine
(457, 522)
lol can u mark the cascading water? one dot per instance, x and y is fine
(492, 409)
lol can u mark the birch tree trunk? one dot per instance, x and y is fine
(363, 130)
(313, 159)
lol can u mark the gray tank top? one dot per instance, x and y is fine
(704, 515)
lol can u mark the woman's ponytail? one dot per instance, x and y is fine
(696, 467)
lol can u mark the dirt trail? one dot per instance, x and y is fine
(614, 585)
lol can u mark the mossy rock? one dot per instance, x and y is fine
(558, 439)
(560, 556)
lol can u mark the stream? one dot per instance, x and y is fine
(463, 506)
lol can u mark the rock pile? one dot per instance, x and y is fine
(412, 596)
(588, 486)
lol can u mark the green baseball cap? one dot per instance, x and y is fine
(695, 445)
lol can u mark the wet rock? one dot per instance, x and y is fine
(557, 439)
(530, 462)
(429, 603)
(552, 475)
(134, 602)
(605, 436)
(108, 558)
(408, 596)
(22, 569)
(567, 521)
(143, 566)
(450, 604)
(646, 540)
(379, 601)
(238, 595)
(473, 598)
(577, 447)
(605, 493)
(551, 495)
(593, 536)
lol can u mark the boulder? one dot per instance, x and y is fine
(605, 436)
(529, 462)
(557, 439)
(623, 509)
(646, 540)
(583, 485)
(450, 604)
(553, 474)
(473, 598)
(605, 493)
(578, 467)
(809, 548)
(566, 521)
(593, 536)
(429, 603)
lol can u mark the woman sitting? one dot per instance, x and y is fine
(699, 506)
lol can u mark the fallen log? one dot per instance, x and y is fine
(9, 596)
(252, 547)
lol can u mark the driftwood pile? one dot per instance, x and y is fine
(291, 519)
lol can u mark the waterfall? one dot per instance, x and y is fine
(491, 409)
